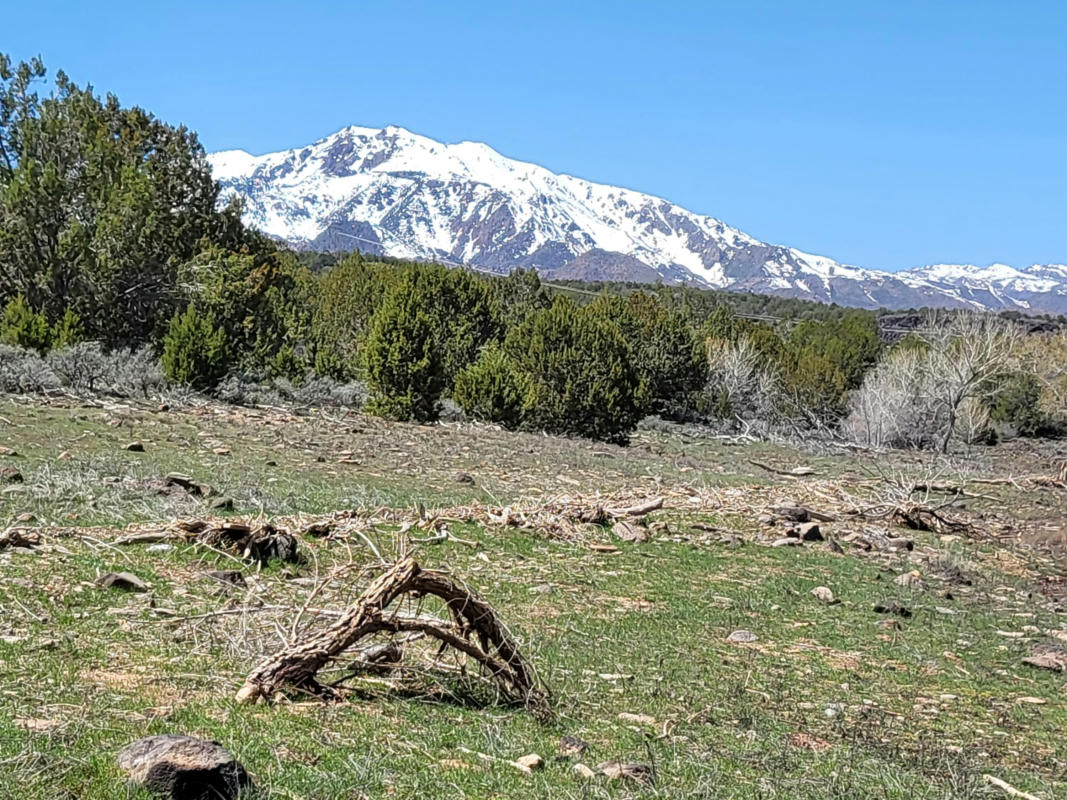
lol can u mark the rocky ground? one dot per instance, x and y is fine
(703, 617)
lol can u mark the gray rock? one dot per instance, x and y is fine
(134, 447)
(126, 581)
(742, 636)
(183, 768)
(788, 541)
(809, 532)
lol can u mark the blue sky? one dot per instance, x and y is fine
(884, 134)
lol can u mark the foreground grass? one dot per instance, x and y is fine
(824, 704)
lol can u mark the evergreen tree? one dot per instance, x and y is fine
(404, 363)
(345, 299)
(23, 327)
(579, 373)
(195, 350)
(668, 355)
(99, 204)
(490, 389)
(254, 296)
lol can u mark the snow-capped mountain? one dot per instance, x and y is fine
(394, 192)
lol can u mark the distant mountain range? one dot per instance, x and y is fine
(393, 192)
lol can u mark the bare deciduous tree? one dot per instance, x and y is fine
(922, 395)
(737, 375)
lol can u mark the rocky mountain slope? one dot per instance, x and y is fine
(393, 192)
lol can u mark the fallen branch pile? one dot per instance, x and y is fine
(259, 543)
(472, 629)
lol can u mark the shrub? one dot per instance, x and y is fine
(666, 352)
(24, 370)
(1017, 404)
(578, 373)
(741, 385)
(194, 350)
(68, 331)
(87, 367)
(21, 326)
(404, 366)
(490, 389)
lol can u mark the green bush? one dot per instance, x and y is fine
(195, 351)
(669, 357)
(68, 331)
(490, 389)
(21, 326)
(1017, 403)
(579, 374)
(404, 365)
(432, 323)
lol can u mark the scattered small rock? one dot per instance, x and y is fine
(134, 447)
(742, 636)
(892, 607)
(221, 451)
(570, 746)
(162, 547)
(810, 532)
(10, 475)
(271, 463)
(889, 624)
(183, 768)
(221, 504)
(126, 581)
(582, 771)
(463, 477)
(7, 451)
(824, 595)
(530, 762)
(617, 770)
(910, 580)
(182, 482)
(629, 531)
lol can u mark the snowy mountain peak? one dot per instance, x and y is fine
(396, 192)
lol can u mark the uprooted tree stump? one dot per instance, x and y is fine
(473, 629)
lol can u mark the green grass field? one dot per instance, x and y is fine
(634, 644)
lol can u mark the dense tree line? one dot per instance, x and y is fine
(111, 232)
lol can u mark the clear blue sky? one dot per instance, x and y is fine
(885, 134)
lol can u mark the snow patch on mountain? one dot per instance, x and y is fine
(395, 192)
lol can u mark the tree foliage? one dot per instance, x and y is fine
(579, 373)
(99, 205)
(195, 350)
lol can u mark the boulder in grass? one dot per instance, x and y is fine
(183, 768)
(126, 581)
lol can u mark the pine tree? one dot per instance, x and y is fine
(195, 350)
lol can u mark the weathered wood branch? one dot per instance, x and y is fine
(474, 630)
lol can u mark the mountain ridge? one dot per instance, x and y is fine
(389, 191)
